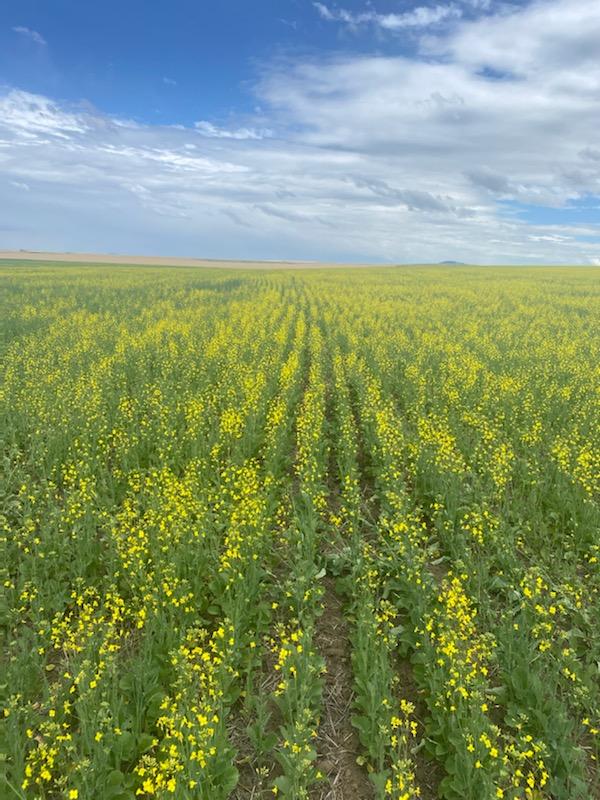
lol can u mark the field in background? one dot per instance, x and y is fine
(326, 534)
(33, 258)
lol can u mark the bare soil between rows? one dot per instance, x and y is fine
(338, 743)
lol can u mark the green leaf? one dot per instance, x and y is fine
(145, 741)
(115, 778)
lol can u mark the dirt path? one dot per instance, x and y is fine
(338, 743)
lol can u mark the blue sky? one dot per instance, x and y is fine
(383, 131)
(162, 62)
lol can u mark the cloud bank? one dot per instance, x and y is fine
(481, 148)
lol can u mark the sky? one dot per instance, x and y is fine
(385, 131)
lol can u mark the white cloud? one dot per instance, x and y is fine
(551, 38)
(169, 159)
(213, 131)
(348, 157)
(30, 34)
(31, 115)
(419, 17)
(169, 81)
(549, 238)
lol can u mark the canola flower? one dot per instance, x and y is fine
(192, 459)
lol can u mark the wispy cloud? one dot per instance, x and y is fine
(420, 17)
(30, 34)
(213, 131)
(30, 115)
(169, 82)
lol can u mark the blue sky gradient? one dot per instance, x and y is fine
(388, 131)
(157, 62)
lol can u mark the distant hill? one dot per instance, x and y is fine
(458, 263)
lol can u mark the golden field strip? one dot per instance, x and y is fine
(299, 534)
(104, 259)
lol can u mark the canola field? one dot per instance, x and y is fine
(299, 534)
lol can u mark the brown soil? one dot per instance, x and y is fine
(338, 746)
(439, 571)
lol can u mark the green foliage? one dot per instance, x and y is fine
(189, 457)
